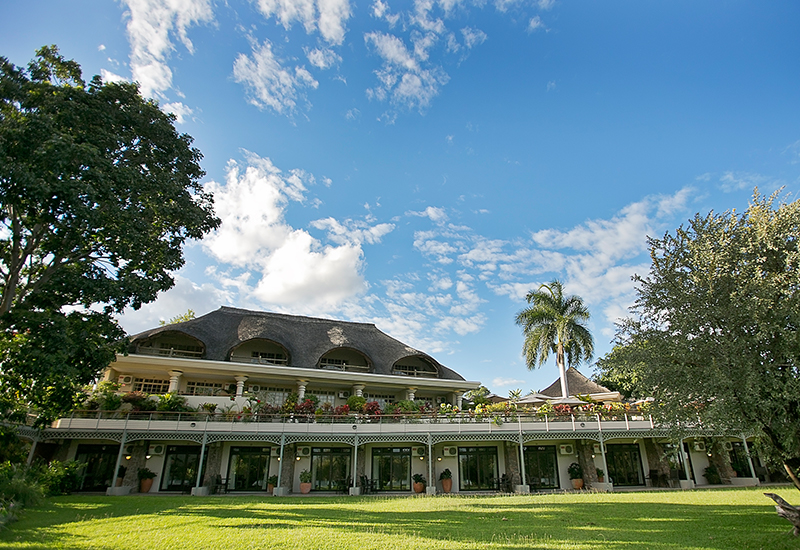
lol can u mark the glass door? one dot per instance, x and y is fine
(180, 468)
(248, 468)
(624, 464)
(330, 467)
(98, 466)
(391, 468)
(541, 470)
(477, 468)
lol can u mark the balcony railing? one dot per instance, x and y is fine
(223, 421)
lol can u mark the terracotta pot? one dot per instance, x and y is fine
(145, 485)
(447, 485)
(305, 488)
(119, 482)
(270, 488)
(601, 479)
(419, 487)
(577, 484)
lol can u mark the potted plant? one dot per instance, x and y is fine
(121, 475)
(145, 476)
(272, 481)
(446, 477)
(419, 483)
(601, 475)
(305, 482)
(575, 473)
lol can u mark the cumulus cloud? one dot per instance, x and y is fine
(269, 84)
(152, 27)
(108, 76)
(181, 111)
(277, 265)
(435, 214)
(324, 58)
(329, 17)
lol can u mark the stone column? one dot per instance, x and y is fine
(301, 390)
(138, 450)
(174, 380)
(213, 464)
(240, 380)
(358, 389)
(457, 395)
(411, 393)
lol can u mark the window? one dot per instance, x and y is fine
(274, 396)
(541, 467)
(382, 399)
(324, 396)
(477, 468)
(248, 468)
(330, 467)
(415, 366)
(151, 385)
(344, 359)
(624, 464)
(203, 388)
(391, 468)
(98, 461)
(180, 467)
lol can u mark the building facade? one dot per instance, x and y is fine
(238, 368)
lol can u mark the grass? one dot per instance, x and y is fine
(709, 519)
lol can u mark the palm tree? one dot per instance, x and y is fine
(555, 323)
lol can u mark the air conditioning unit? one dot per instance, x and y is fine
(156, 449)
(276, 451)
(417, 451)
(567, 449)
(125, 380)
(304, 451)
(700, 446)
(728, 446)
(439, 400)
(449, 451)
(253, 388)
(597, 449)
(344, 394)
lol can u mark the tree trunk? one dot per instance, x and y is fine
(587, 462)
(658, 463)
(786, 510)
(562, 371)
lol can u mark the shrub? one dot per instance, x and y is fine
(172, 402)
(356, 403)
(59, 478)
(575, 471)
(17, 484)
(139, 401)
(373, 408)
(305, 476)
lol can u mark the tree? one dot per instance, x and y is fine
(555, 323)
(182, 318)
(716, 331)
(98, 194)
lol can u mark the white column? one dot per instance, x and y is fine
(411, 393)
(457, 395)
(301, 389)
(358, 389)
(240, 380)
(174, 380)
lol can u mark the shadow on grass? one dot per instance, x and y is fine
(492, 522)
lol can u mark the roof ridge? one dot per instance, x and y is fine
(292, 316)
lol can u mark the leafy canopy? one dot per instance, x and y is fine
(98, 195)
(717, 329)
(555, 323)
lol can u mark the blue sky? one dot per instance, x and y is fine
(421, 166)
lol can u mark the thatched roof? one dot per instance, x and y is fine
(305, 338)
(578, 385)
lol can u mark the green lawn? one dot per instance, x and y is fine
(728, 518)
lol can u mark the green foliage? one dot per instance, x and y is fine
(575, 471)
(305, 476)
(139, 401)
(446, 474)
(478, 396)
(272, 480)
(716, 326)
(98, 194)
(182, 318)
(419, 478)
(621, 371)
(12, 449)
(711, 474)
(172, 402)
(555, 323)
(105, 397)
(19, 484)
(58, 478)
(145, 473)
(356, 403)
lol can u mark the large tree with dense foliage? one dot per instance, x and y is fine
(716, 335)
(98, 194)
(555, 323)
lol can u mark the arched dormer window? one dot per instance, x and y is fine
(171, 344)
(415, 366)
(345, 359)
(260, 351)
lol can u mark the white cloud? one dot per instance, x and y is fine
(152, 25)
(323, 58)
(101, 47)
(108, 76)
(268, 83)
(181, 111)
(288, 266)
(473, 37)
(546, 4)
(535, 24)
(507, 382)
(433, 213)
(380, 10)
(329, 17)
(738, 181)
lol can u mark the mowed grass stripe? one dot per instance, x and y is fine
(708, 519)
